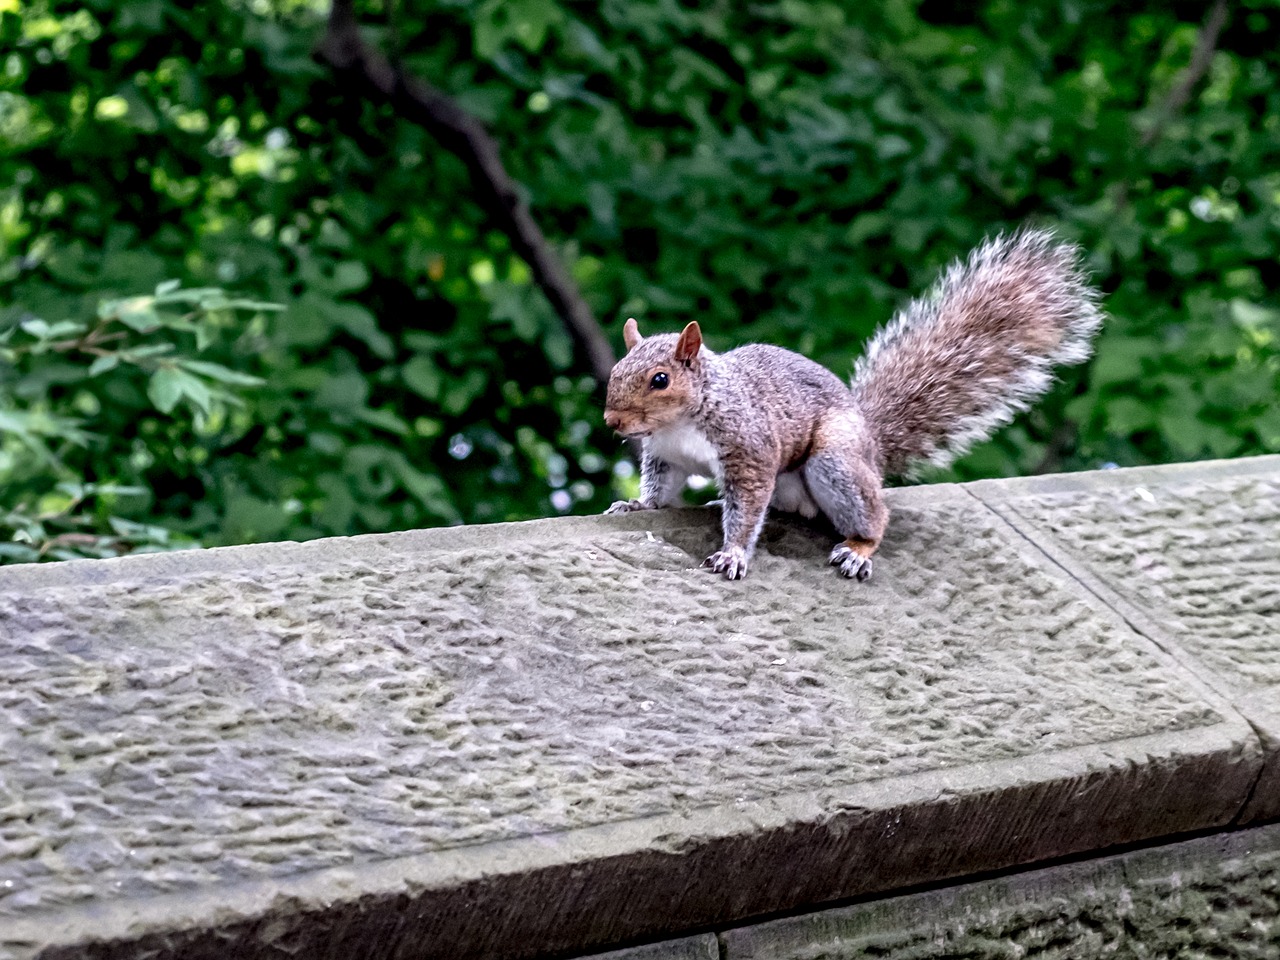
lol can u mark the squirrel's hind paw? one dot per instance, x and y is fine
(850, 562)
(731, 562)
(628, 506)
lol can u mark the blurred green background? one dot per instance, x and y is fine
(787, 172)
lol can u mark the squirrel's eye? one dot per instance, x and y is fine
(659, 381)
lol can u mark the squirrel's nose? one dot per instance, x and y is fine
(612, 420)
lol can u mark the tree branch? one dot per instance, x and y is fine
(1061, 442)
(1201, 58)
(457, 131)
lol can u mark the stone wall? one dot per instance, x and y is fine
(1213, 897)
(553, 737)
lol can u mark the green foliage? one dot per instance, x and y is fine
(785, 172)
(77, 396)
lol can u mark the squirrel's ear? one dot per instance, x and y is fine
(689, 343)
(631, 333)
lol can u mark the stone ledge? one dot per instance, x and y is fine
(1216, 896)
(1187, 554)
(509, 740)
(702, 947)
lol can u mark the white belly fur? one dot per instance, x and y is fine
(686, 447)
(791, 496)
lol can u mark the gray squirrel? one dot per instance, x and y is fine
(776, 429)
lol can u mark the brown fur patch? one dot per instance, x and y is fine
(863, 548)
(690, 342)
(634, 404)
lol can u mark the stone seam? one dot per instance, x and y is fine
(1145, 624)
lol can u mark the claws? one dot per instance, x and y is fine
(851, 563)
(627, 506)
(732, 563)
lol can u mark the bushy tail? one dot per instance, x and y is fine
(961, 361)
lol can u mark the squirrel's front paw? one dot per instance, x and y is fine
(731, 562)
(850, 562)
(628, 506)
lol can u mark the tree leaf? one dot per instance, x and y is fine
(104, 363)
(383, 420)
(137, 313)
(216, 371)
(165, 389)
(169, 385)
(350, 276)
(423, 376)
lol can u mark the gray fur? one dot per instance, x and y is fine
(661, 482)
(963, 360)
(835, 494)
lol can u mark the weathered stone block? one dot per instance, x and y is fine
(704, 947)
(1190, 555)
(1214, 897)
(513, 740)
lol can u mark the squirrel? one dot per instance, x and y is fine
(777, 429)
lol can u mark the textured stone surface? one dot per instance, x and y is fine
(1215, 897)
(704, 947)
(1190, 555)
(497, 741)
